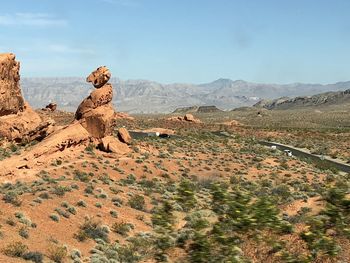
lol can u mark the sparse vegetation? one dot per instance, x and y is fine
(202, 197)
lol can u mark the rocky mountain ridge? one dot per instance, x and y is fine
(144, 96)
(322, 99)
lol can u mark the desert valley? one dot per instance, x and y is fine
(195, 185)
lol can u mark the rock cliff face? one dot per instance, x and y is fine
(11, 100)
(18, 121)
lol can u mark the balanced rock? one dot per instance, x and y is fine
(96, 113)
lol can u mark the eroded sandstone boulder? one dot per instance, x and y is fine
(110, 144)
(97, 98)
(124, 136)
(99, 77)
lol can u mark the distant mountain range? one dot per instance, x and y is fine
(318, 100)
(144, 96)
(198, 109)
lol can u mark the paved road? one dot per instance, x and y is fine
(305, 154)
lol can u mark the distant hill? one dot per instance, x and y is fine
(318, 100)
(201, 109)
(144, 96)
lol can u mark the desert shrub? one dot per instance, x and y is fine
(136, 249)
(122, 228)
(60, 190)
(72, 210)
(197, 221)
(57, 253)
(15, 249)
(334, 217)
(82, 176)
(12, 198)
(44, 195)
(163, 216)
(92, 228)
(23, 232)
(113, 213)
(62, 213)
(137, 202)
(98, 205)
(186, 195)
(75, 254)
(34, 256)
(55, 217)
(81, 203)
(130, 179)
(317, 239)
(90, 148)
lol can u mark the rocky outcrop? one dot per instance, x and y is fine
(187, 118)
(18, 121)
(200, 109)
(318, 100)
(94, 123)
(51, 107)
(11, 100)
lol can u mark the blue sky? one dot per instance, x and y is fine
(274, 41)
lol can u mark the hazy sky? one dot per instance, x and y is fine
(196, 41)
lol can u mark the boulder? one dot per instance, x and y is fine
(189, 117)
(51, 106)
(112, 144)
(25, 126)
(124, 136)
(99, 122)
(99, 77)
(97, 98)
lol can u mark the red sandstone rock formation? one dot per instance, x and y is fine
(124, 136)
(11, 100)
(186, 118)
(18, 121)
(94, 123)
(51, 107)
